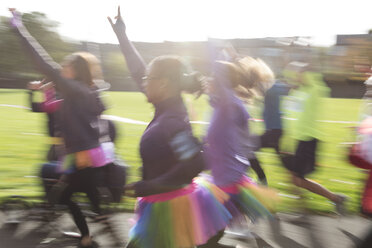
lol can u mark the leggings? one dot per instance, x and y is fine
(47, 173)
(85, 181)
(270, 138)
(256, 166)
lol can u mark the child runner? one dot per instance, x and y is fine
(79, 113)
(271, 114)
(310, 93)
(273, 124)
(50, 106)
(226, 156)
(174, 210)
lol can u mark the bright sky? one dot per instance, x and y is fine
(185, 20)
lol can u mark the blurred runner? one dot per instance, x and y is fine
(309, 95)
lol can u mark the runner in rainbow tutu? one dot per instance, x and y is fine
(225, 152)
(174, 209)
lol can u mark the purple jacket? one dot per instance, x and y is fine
(225, 157)
(170, 154)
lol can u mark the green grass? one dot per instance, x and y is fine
(23, 145)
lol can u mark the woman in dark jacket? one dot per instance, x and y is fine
(78, 118)
(175, 210)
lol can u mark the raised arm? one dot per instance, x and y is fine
(40, 58)
(221, 93)
(136, 65)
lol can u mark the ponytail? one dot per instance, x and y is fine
(254, 75)
(192, 82)
(177, 71)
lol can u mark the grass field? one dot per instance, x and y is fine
(23, 145)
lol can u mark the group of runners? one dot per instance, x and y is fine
(178, 205)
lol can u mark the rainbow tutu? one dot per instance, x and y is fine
(249, 199)
(95, 157)
(182, 218)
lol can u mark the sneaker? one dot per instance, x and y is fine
(263, 182)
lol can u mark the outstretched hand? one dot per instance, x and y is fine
(16, 20)
(119, 24)
(35, 85)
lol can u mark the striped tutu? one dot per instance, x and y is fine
(249, 199)
(182, 218)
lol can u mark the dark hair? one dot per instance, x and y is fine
(174, 69)
(192, 82)
(86, 67)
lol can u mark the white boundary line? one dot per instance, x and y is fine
(124, 120)
(136, 122)
(14, 106)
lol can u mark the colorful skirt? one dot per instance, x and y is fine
(182, 218)
(95, 157)
(249, 199)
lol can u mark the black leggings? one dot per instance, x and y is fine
(270, 138)
(49, 176)
(256, 166)
(85, 181)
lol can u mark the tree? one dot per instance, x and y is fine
(13, 62)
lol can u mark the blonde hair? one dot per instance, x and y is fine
(249, 77)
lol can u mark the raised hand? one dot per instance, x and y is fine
(231, 51)
(119, 24)
(16, 20)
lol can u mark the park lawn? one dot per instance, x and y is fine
(23, 146)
